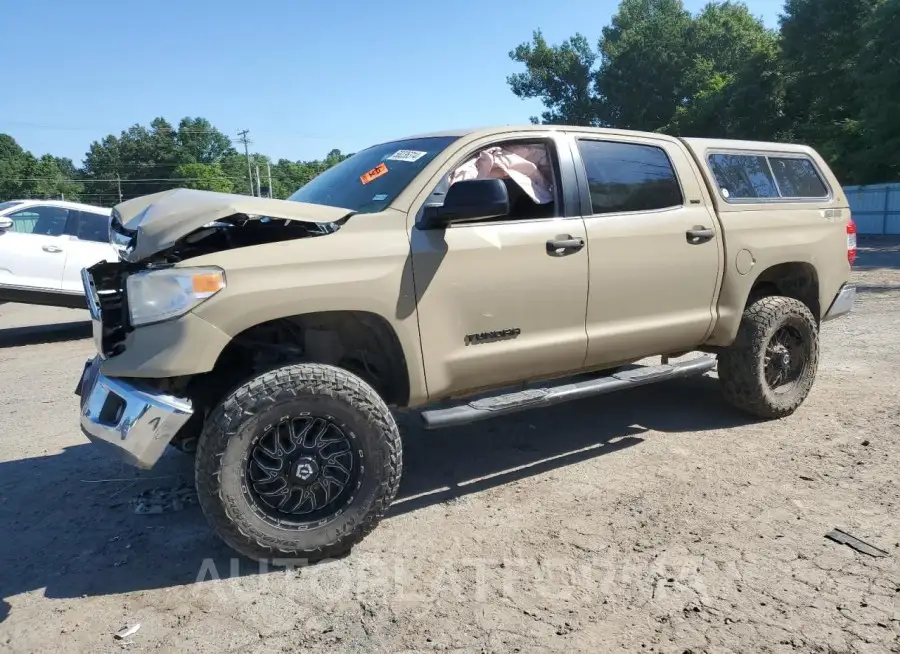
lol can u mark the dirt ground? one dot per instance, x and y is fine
(656, 520)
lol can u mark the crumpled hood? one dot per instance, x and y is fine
(158, 220)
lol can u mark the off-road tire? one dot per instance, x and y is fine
(741, 366)
(226, 440)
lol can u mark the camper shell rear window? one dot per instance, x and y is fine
(743, 177)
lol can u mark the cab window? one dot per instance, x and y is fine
(528, 169)
(629, 177)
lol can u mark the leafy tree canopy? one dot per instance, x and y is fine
(147, 159)
(827, 77)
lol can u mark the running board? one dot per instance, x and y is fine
(498, 405)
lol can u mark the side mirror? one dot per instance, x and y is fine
(5, 223)
(474, 199)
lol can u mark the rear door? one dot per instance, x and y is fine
(33, 251)
(89, 244)
(654, 243)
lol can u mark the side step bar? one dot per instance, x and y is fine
(498, 405)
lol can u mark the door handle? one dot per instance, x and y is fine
(50, 248)
(564, 244)
(699, 234)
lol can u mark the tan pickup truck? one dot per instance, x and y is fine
(463, 274)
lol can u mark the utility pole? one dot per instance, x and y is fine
(258, 187)
(246, 142)
(119, 184)
(269, 173)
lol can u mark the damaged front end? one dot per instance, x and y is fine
(155, 232)
(139, 417)
(107, 287)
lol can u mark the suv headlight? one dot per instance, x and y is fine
(157, 295)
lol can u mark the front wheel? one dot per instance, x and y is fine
(769, 370)
(298, 463)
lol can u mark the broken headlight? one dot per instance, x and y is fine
(122, 240)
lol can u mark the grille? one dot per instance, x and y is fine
(108, 279)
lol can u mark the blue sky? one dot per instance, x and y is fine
(302, 76)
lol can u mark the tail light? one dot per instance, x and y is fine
(851, 241)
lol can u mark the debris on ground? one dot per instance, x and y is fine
(840, 536)
(164, 500)
(125, 632)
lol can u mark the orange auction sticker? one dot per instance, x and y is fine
(375, 173)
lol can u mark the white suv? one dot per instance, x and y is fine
(44, 244)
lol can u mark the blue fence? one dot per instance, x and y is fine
(876, 208)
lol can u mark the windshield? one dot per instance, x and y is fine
(11, 203)
(370, 180)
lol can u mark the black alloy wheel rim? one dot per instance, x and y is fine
(302, 469)
(786, 358)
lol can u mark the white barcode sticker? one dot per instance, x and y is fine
(406, 155)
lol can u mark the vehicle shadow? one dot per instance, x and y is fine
(70, 529)
(48, 333)
(450, 463)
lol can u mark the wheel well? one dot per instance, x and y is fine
(797, 280)
(361, 342)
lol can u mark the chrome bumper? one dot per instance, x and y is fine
(843, 303)
(136, 422)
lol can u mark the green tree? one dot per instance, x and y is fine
(143, 160)
(821, 45)
(562, 77)
(203, 176)
(746, 104)
(200, 142)
(147, 159)
(22, 175)
(878, 159)
(645, 64)
(653, 64)
(12, 168)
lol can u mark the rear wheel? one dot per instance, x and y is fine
(301, 462)
(770, 368)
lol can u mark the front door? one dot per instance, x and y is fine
(33, 251)
(655, 248)
(497, 302)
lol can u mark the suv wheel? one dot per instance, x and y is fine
(769, 370)
(301, 462)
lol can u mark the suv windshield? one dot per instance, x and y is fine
(369, 180)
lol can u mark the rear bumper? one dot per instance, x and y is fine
(842, 304)
(135, 422)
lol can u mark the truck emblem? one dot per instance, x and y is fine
(492, 336)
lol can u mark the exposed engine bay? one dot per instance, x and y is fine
(238, 231)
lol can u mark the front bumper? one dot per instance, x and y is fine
(136, 422)
(843, 303)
